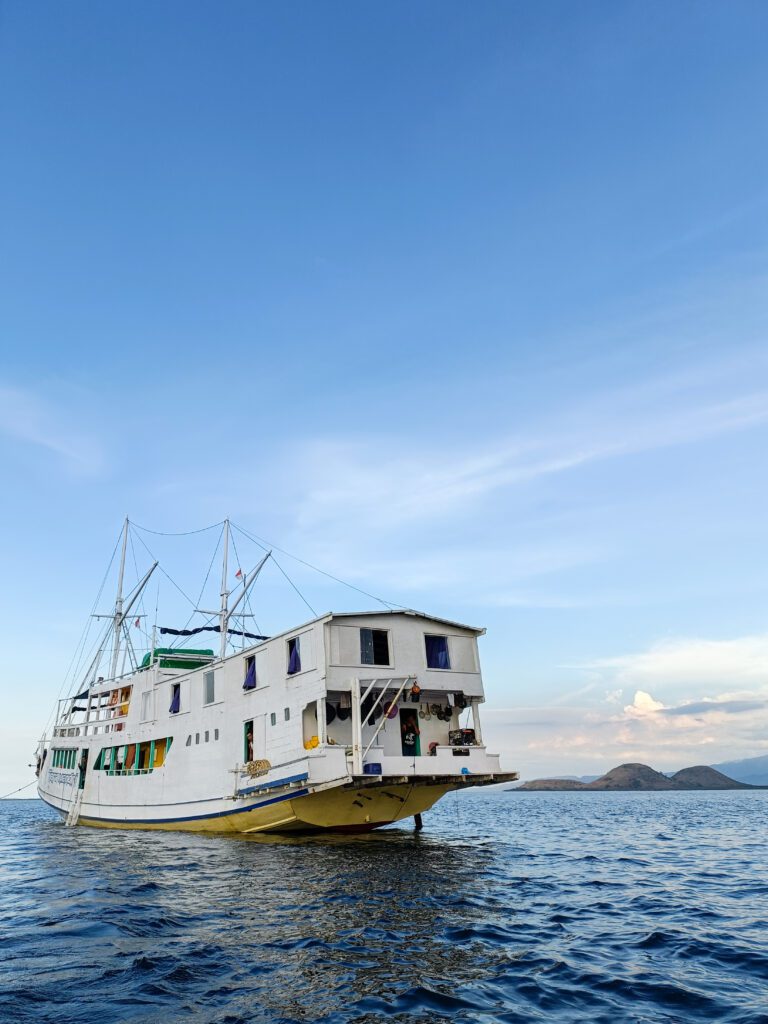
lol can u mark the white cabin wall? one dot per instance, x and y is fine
(407, 653)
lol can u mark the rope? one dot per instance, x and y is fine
(162, 570)
(282, 570)
(205, 582)
(186, 533)
(15, 791)
(261, 542)
(75, 663)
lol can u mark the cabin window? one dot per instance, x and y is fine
(64, 758)
(374, 646)
(175, 699)
(273, 718)
(248, 741)
(134, 758)
(294, 657)
(215, 734)
(207, 736)
(209, 688)
(189, 741)
(249, 683)
(197, 737)
(147, 705)
(287, 714)
(437, 651)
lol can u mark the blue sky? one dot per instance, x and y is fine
(464, 303)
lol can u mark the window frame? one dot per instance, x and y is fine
(438, 636)
(175, 691)
(209, 676)
(249, 662)
(386, 633)
(296, 642)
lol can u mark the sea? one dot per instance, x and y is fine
(507, 907)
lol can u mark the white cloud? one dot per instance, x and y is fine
(693, 662)
(642, 705)
(695, 701)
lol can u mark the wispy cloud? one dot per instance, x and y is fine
(690, 701)
(30, 419)
(348, 481)
(692, 661)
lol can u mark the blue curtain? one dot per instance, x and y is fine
(175, 699)
(437, 652)
(250, 677)
(294, 657)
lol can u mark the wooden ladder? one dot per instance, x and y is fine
(74, 810)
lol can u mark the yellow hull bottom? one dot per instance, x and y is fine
(341, 809)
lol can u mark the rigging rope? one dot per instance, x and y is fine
(282, 570)
(185, 533)
(75, 662)
(170, 578)
(205, 581)
(261, 542)
(19, 790)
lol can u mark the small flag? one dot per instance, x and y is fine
(137, 623)
(239, 574)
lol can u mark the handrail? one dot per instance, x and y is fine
(380, 726)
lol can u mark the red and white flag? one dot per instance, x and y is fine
(239, 574)
(137, 623)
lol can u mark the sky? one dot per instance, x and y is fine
(465, 304)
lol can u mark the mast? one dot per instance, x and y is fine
(224, 613)
(118, 616)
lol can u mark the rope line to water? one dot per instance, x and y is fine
(13, 792)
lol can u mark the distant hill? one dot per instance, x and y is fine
(637, 777)
(703, 777)
(752, 770)
(553, 784)
(632, 776)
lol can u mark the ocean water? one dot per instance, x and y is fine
(598, 907)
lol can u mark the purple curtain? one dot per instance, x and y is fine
(437, 652)
(250, 677)
(175, 699)
(294, 658)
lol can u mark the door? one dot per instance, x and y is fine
(83, 766)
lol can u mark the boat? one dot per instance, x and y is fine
(347, 722)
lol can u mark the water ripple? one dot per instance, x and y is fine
(598, 908)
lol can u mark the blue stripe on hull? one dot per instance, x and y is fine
(273, 785)
(191, 817)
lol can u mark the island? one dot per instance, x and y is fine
(636, 777)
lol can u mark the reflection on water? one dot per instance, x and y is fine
(508, 907)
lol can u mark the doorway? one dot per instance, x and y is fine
(409, 732)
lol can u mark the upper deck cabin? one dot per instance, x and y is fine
(342, 684)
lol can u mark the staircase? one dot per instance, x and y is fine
(74, 810)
